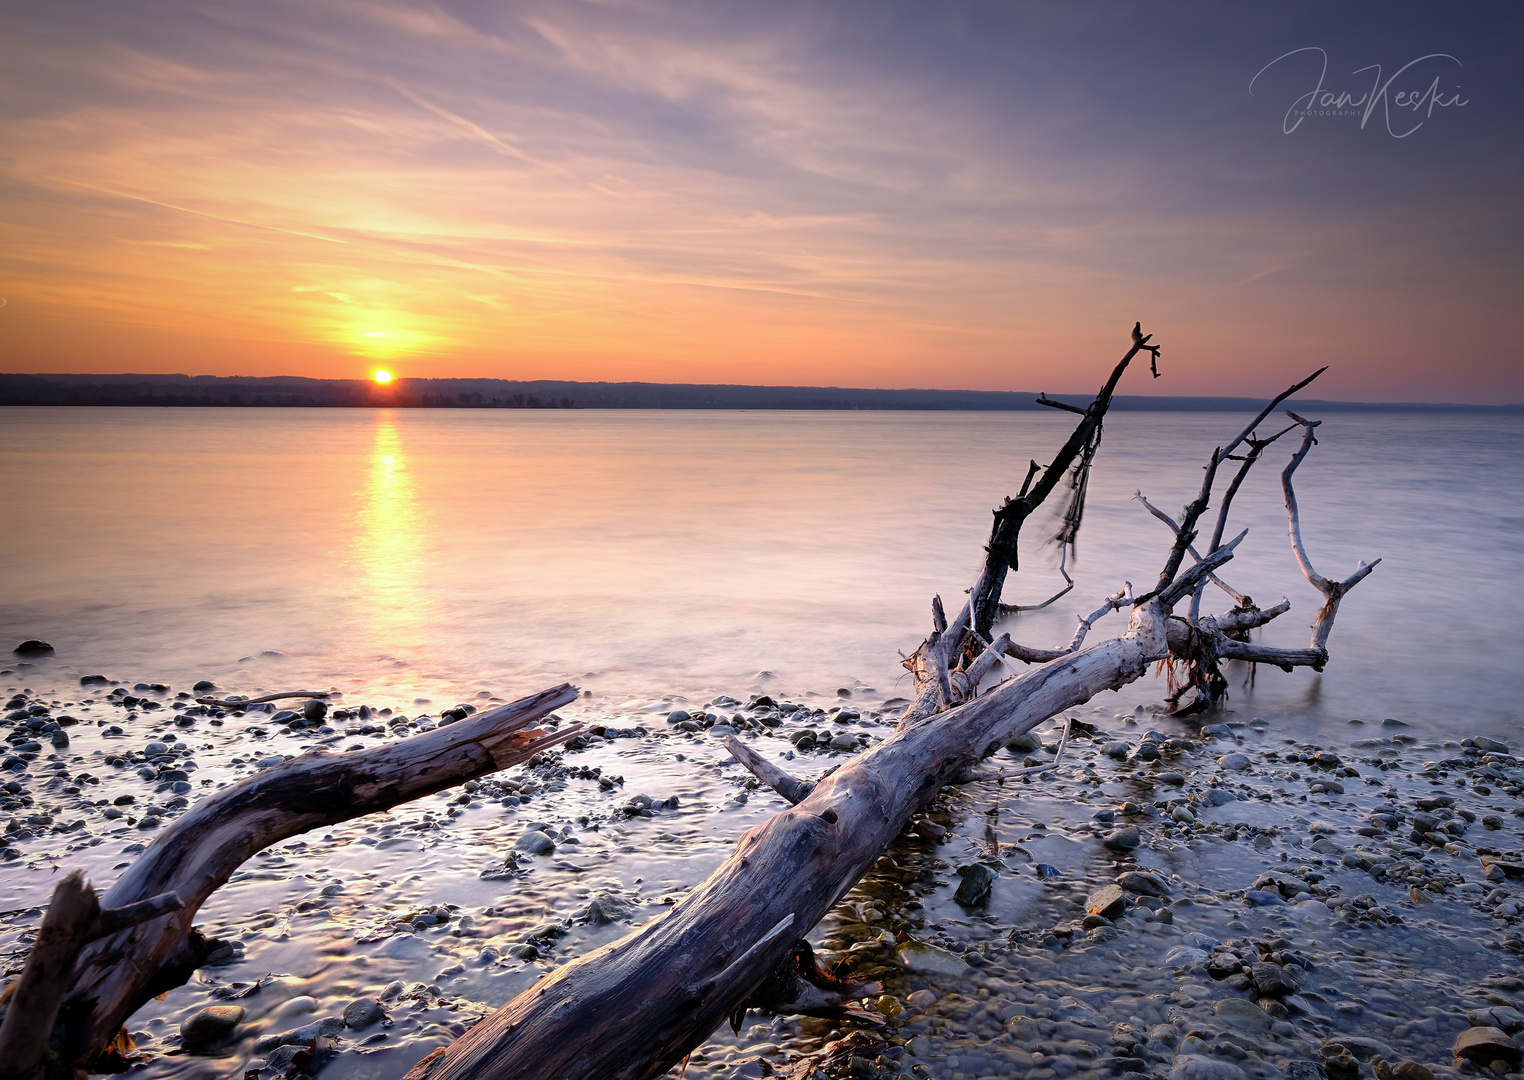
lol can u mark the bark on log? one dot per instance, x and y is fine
(74, 917)
(117, 973)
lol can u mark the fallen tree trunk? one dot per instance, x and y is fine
(635, 1008)
(125, 966)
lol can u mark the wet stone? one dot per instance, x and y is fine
(1505, 1017)
(363, 1012)
(535, 843)
(1234, 762)
(1271, 980)
(1242, 1015)
(212, 1024)
(1485, 1045)
(1144, 883)
(1198, 1067)
(976, 884)
(1125, 839)
(1107, 902)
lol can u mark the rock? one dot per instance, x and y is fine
(1219, 797)
(296, 1006)
(1025, 744)
(1182, 814)
(1499, 1016)
(1484, 1045)
(1123, 839)
(204, 685)
(1242, 1015)
(32, 647)
(1271, 980)
(844, 741)
(1362, 1047)
(929, 960)
(604, 909)
(1197, 1067)
(211, 1025)
(363, 1012)
(535, 843)
(1116, 750)
(975, 886)
(1184, 956)
(1108, 902)
(1144, 883)
(1489, 746)
(921, 999)
(1234, 762)
(1408, 1069)
(313, 709)
(404, 947)
(1306, 1070)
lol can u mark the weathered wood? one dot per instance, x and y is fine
(636, 1007)
(74, 917)
(199, 852)
(34, 1000)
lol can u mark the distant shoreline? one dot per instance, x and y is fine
(213, 391)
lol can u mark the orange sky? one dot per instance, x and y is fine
(881, 196)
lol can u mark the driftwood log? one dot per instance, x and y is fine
(636, 1007)
(92, 968)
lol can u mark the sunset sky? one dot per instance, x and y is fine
(958, 195)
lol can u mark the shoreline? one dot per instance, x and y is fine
(1266, 854)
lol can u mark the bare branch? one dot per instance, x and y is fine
(120, 918)
(1063, 568)
(1186, 583)
(1186, 532)
(791, 788)
(1333, 591)
(985, 662)
(1266, 411)
(1241, 599)
(1044, 399)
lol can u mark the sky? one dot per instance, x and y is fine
(932, 194)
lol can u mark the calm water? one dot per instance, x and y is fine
(424, 554)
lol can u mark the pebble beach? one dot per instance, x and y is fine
(1212, 901)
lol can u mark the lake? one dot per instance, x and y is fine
(433, 553)
(415, 559)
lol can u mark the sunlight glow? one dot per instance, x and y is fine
(382, 376)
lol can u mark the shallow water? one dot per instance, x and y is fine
(419, 559)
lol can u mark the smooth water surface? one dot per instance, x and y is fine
(431, 553)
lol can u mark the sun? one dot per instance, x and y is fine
(382, 376)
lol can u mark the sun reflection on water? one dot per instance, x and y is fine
(389, 545)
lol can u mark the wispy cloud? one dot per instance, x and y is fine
(881, 194)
